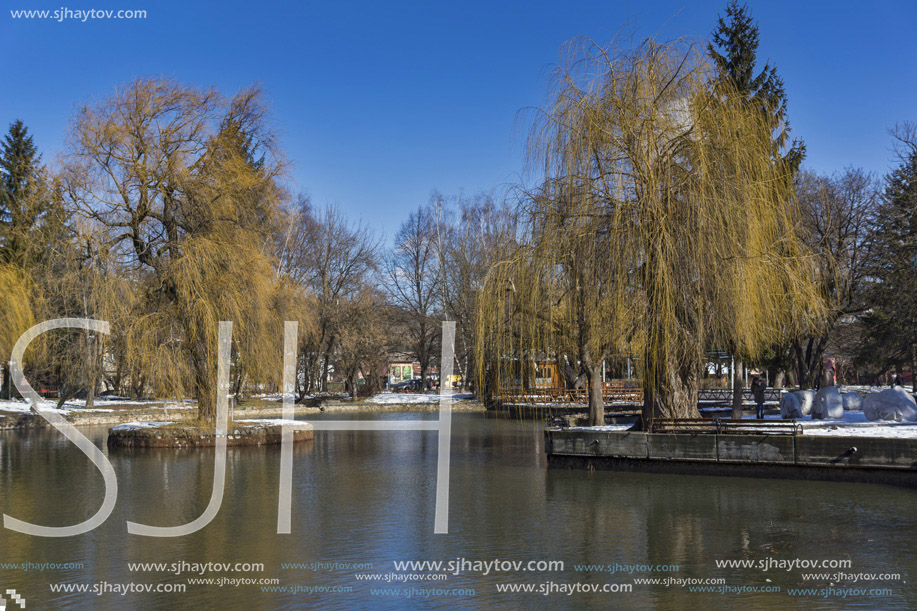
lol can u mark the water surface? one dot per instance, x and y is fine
(367, 498)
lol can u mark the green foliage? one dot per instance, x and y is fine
(734, 50)
(23, 196)
(891, 322)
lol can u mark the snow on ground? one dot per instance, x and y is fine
(23, 407)
(607, 427)
(106, 400)
(863, 388)
(79, 406)
(853, 424)
(888, 429)
(268, 396)
(275, 422)
(391, 398)
(147, 424)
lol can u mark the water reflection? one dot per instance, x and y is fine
(368, 497)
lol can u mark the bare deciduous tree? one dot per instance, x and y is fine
(471, 235)
(837, 216)
(413, 282)
(332, 258)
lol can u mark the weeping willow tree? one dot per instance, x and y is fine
(553, 299)
(17, 313)
(663, 227)
(185, 183)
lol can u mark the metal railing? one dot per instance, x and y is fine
(611, 393)
(725, 426)
(724, 395)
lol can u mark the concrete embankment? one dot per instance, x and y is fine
(248, 434)
(861, 459)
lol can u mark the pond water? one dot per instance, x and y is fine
(363, 501)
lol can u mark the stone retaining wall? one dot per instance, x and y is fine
(176, 437)
(810, 457)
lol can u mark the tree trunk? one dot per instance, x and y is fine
(596, 399)
(780, 379)
(353, 385)
(91, 391)
(809, 360)
(137, 385)
(737, 389)
(669, 387)
(913, 369)
(324, 381)
(6, 390)
(65, 394)
(302, 374)
(204, 382)
(95, 351)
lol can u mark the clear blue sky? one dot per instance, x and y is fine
(380, 102)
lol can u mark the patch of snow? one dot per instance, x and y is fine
(607, 427)
(903, 430)
(852, 424)
(23, 407)
(147, 424)
(275, 422)
(108, 400)
(862, 388)
(391, 398)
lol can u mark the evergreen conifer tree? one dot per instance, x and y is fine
(734, 50)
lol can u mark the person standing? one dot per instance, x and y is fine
(757, 390)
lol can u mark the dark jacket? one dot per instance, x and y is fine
(757, 389)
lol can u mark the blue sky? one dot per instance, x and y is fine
(380, 102)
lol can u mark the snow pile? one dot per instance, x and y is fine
(828, 404)
(852, 400)
(147, 424)
(789, 406)
(806, 400)
(797, 404)
(894, 404)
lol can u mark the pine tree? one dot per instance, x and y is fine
(734, 50)
(891, 323)
(20, 203)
